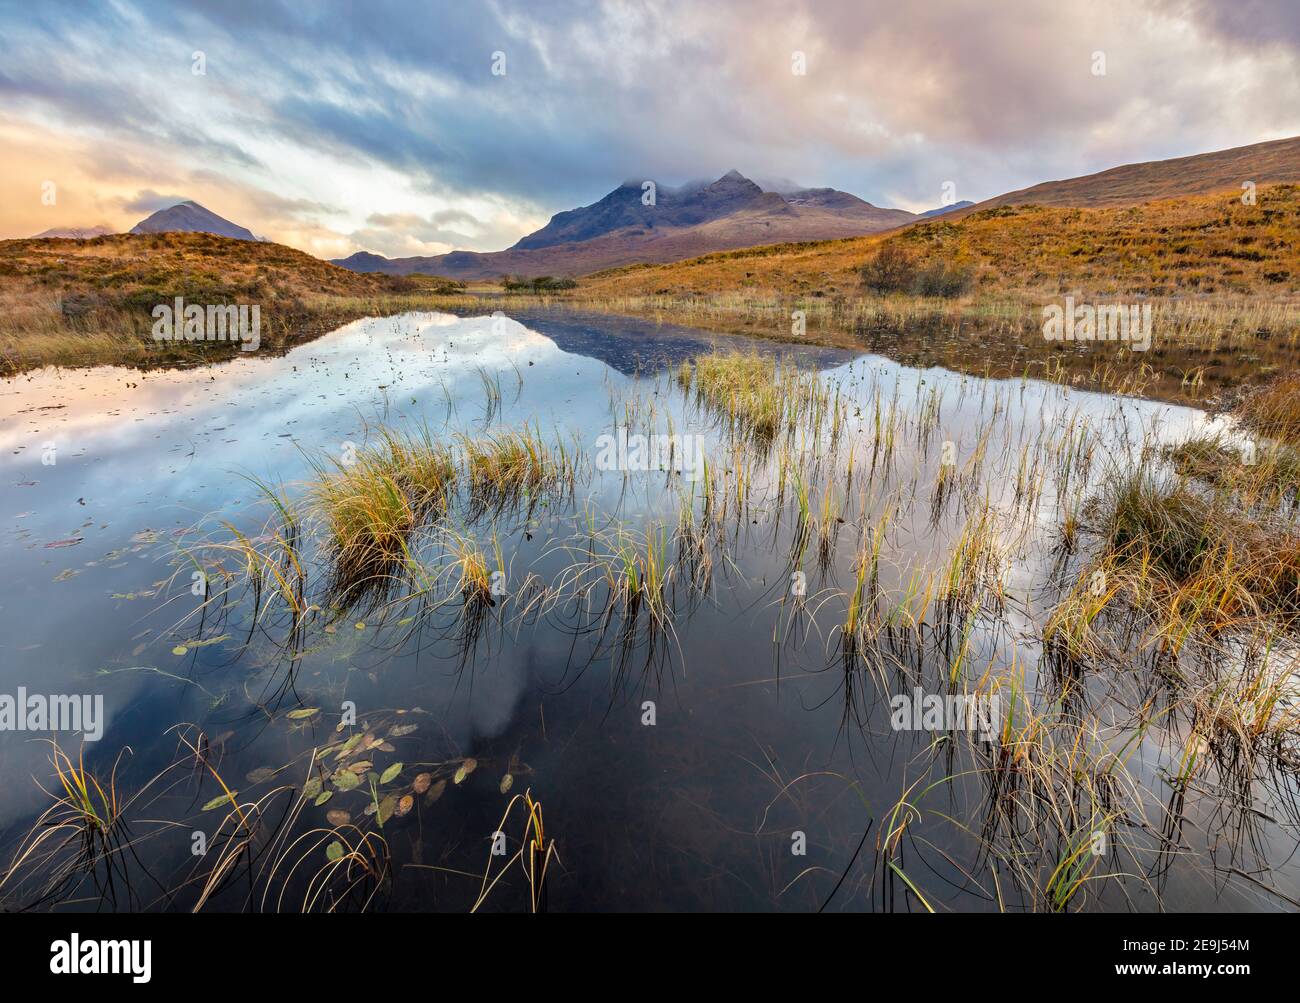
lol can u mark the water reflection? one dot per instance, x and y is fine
(759, 742)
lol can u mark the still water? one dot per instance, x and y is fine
(728, 760)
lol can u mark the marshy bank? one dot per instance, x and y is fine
(368, 612)
(91, 302)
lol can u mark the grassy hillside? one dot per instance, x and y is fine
(1224, 278)
(1274, 162)
(1171, 247)
(86, 301)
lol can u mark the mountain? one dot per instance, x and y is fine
(683, 222)
(364, 261)
(76, 232)
(943, 209)
(1201, 174)
(190, 217)
(1166, 228)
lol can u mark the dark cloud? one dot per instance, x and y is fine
(1252, 22)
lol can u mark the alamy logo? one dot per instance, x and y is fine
(1105, 322)
(75, 956)
(37, 712)
(180, 321)
(683, 454)
(917, 711)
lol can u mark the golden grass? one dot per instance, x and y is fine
(1223, 278)
(1166, 247)
(88, 302)
(373, 502)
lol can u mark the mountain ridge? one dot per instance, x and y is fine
(644, 221)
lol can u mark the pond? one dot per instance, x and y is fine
(694, 678)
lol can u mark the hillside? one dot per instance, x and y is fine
(620, 229)
(89, 300)
(1223, 277)
(1273, 162)
(1190, 246)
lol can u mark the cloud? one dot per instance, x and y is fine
(148, 201)
(1250, 23)
(320, 120)
(407, 234)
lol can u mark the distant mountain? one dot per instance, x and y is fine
(683, 222)
(672, 207)
(190, 217)
(76, 232)
(963, 204)
(364, 261)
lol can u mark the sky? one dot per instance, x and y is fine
(417, 128)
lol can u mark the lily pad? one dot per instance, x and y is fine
(390, 774)
(421, 782)
(464, 770)
(349, 747)
(334, 851)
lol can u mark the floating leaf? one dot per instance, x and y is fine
(323, 797)
(361, 626)
(206, 641)
(390, 774)
(404, 804)
(260, 774)
(421, 783)
(507, 782)
(180, 649)
(435, 792)
(386, 809)
(334, 851)
(311, 788)
(303, 712)
(345, 780)
(337, 816)
(217, 802)
(465, 769)
(398, 730)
